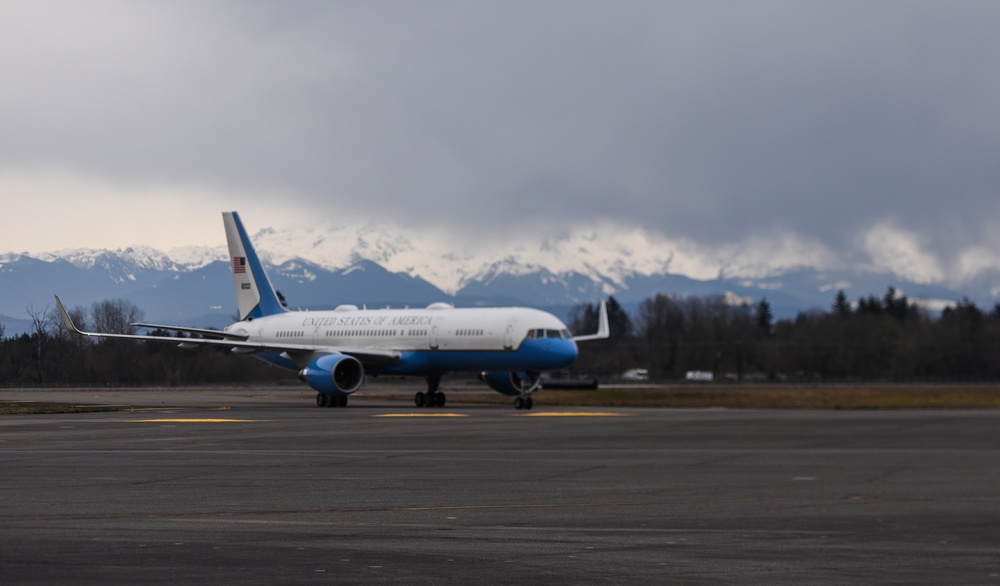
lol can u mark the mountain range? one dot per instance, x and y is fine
(374, 266)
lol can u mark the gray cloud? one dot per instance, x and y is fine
(711, 121)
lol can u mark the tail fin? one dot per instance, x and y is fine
(254, 293)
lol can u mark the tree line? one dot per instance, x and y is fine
(51, 355)
(886, 338)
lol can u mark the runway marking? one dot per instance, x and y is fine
(574, 414)
(197, 420)
(421, 415)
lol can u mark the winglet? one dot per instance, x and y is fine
(603, 329)
(66, 318)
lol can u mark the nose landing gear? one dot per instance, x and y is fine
(523, 403)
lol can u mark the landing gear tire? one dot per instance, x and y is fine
(330, 401)
(519, 403)
(433, 397)
(523, 403)
(429, 399)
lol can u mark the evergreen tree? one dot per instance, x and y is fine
(764, 318)
(841, 306)
(897, 305)
(618, 320)
(870, 305)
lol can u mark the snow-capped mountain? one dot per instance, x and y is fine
(450, 266)
(328, 264)
(140, 258)
(566, 269)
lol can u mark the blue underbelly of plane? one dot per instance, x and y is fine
(533, 355)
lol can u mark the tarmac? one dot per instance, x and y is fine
(262, 487)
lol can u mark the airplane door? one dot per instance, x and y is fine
(433, 342)
(508, 335)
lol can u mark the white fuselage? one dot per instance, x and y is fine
(434, 328)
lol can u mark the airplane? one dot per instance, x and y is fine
(333, 351)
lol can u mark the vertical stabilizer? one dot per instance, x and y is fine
(254, 293)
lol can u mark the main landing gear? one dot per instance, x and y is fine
(523, 403)
(433, 397)
(429, 399)
(330, 401)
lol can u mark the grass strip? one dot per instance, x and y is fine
(50, 408)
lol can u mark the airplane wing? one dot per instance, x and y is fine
(603, 330)
(199, 331)
(374, 356)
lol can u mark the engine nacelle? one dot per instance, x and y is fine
(515, 383)
(334, 374)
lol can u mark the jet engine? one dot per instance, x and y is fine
(514, 384)
(334, 374)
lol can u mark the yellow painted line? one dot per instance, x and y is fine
(196, 420)
(574, 414)
(421, 415)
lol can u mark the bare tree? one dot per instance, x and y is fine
(79, 317)
(3, 329)
(119, 360)
(115, 316)
(41, 324)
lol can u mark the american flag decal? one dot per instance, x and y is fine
(239, 265)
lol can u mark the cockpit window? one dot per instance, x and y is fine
(541, 333)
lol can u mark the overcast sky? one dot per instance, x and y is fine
(862, 129)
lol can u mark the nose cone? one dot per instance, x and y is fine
(564, 352)
(546, 354)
